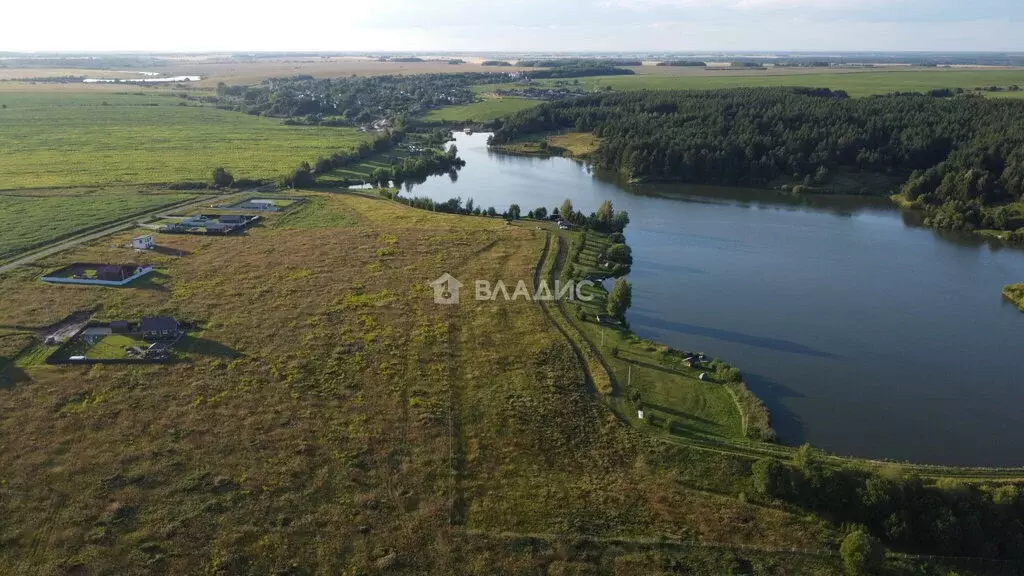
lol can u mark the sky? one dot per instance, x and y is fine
(514, 25)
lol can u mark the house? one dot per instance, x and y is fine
(160, 328)
(563, 225)
(143, 243)
(119, 327)
(232, 220)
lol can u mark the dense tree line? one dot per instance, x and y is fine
(305, 173)
(962, 158)
(563, 62)
(949, 518)
(684, 63)
(578, 71)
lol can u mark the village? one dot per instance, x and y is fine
(155, 338)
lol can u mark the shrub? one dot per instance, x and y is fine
(862, 554)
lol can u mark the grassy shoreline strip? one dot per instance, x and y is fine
(1015, 293)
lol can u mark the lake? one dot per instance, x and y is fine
(864, 333)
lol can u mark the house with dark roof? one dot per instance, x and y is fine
(119, 327)
(160, 328)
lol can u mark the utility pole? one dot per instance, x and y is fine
(629, 377)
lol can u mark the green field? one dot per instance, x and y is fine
(56, 139)
(483, 111)
(30, 221)
(855, 83)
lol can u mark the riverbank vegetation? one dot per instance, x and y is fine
(571, 144)
(1015, 293)
(960, 157)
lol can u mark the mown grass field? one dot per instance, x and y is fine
(483, 111)
(41, 217)
(337, 420)
(129, 138)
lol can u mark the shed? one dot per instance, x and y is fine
(160, 328)
(143, 242)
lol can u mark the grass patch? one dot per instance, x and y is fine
(112, 347)
(484, 111)
(319, 211)
(125, 138)
(576, 144)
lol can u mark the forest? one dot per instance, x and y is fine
(959, 158)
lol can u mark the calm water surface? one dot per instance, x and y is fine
(864, 334)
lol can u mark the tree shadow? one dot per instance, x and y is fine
(11, 375)
(785, 422)
(776, 344)
(207, 347)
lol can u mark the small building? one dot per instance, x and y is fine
(143, 243)
(119, 327)
(232, 220)
(563, 225)
(262, 204)
(160, 328)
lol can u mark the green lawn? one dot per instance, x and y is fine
(855, 83)
(484, 111)
(30, 221)
(317, 212)
(54, 139)
(112, 347)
